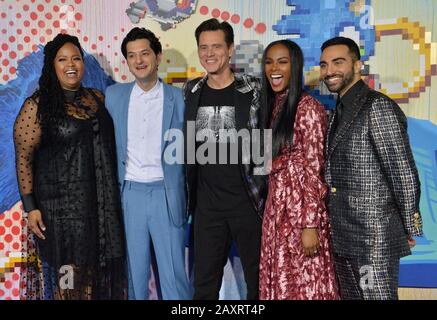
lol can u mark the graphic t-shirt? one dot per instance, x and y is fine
(221, 187)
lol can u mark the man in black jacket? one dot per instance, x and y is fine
(224, 195)
(374, 187)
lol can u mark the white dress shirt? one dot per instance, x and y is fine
(144, 134)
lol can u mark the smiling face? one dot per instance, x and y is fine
(277, 67)
(214, 53)
(338, 70)
(143, 62)
(69, 66)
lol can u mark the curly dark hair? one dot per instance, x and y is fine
(50, 96)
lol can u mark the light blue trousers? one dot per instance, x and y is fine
(146, 220)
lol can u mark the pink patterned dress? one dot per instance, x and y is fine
(296, 199)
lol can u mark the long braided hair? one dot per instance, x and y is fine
(50, 95)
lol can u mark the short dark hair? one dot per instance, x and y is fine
(354, 50)
(213, 25)
(141, 33)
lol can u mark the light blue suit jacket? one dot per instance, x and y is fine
(117, 102)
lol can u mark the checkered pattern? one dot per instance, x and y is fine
(376, 279)
(374, 185)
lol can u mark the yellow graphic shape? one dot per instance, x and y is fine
(427, 51)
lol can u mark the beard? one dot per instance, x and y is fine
(347, 79)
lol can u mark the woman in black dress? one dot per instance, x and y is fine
(66, 168)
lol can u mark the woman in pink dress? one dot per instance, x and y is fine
(296, 261)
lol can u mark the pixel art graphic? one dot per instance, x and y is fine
(310, 23)
(248, 57)
(167, 12)
(12, 247)
(180, 75)
(420, 269)
(401, 92)
(27, 25)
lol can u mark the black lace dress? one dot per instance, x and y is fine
(68, 172)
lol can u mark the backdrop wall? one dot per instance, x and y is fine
(398, 40)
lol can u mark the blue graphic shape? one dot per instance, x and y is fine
(420, 269)
(317, 21)
(167, 13)
(310, 23)
(12, 96)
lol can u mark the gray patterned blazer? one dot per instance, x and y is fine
(374, 187)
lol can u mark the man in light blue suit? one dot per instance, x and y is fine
(153, 191)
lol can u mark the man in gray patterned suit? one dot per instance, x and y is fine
(374, 188)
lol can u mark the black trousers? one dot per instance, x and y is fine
(213, 236)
